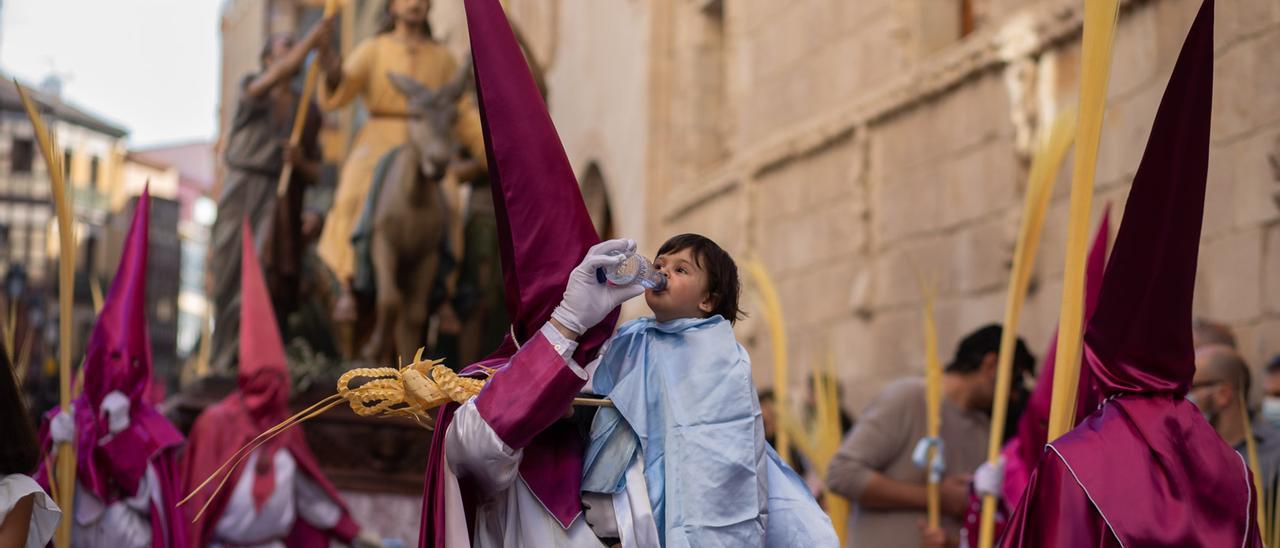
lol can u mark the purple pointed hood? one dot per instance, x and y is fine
(543, 225)
(1139, 338)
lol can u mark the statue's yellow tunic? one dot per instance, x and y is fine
(365, 76)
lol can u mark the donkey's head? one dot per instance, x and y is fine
(432, 114)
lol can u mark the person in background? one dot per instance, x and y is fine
(1271, 392)
(28, 516)
(279, 497)
(257, 148)
(126, 452)
(875, 468)
(1205, 332)
(1220, 388)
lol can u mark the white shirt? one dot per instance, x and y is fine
(44, 513)
(295, 495)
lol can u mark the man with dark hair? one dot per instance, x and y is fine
(875, 466)
(1220, 389)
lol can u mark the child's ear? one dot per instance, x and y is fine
(709, 303)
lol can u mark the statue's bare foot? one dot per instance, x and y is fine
(344, 309)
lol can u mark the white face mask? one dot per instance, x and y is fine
(1271, 409)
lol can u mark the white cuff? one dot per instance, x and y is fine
(561, 343)
(564, 347)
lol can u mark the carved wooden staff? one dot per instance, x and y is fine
(65, 473)
(300, 118)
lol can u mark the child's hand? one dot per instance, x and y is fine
(587, 301)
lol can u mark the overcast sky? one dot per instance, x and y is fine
(149, 65)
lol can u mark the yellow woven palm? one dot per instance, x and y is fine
(412, 391)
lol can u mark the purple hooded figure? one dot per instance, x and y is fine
(1145, 469)
(504, 466)
(126, 452)
(1024, 449)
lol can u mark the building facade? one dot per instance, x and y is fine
(846, 144)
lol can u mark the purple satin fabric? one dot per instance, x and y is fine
(1023, 451)
(169, 526)
(1147, 461)
(1146, 470)
(1140, 335)
(521, 402)
(543, 232)
(1056, 512)
(543, 225)
(529, 395)
(1033, 425)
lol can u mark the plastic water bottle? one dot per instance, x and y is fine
(632, 270)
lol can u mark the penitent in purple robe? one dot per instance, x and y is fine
(1146, 469)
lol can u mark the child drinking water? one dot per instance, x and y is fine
(686, 421)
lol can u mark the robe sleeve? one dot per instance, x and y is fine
(476, 452)
(531, 393)
(485, 440)
(356, 71)
(881, 435)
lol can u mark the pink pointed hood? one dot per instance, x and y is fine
(118, 357)
(263, 372)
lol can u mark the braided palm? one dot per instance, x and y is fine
(412, 391)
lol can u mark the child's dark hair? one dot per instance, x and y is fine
(20, 452)
(722, 273)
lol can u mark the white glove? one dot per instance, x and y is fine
(63, 427)
(587, 301)
(116, 406)
(989, 478)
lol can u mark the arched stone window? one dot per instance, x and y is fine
(596, 194)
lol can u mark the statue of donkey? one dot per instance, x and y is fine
(411, 217)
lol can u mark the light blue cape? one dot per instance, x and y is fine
(685, 403)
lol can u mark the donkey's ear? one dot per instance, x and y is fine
(408, 87)
(462, 79)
